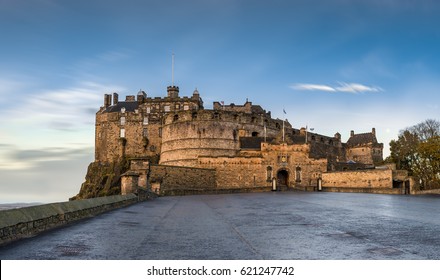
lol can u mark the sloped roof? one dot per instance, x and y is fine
(362, 139)
(129, 106)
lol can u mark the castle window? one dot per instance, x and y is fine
(235, 117)
(145, 121)
(160, 131)
(186, 107)
(194, 116)
(313, 137)
(177, 106)
(166, 108)
(122, 120)
(122, 134)
(145, 132)
(277, 125)
(254, 134)
(253, 119)
(123, 110)
(148, 110)
(175, 118)
(216, 116)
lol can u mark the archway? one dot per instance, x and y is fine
(283, 178)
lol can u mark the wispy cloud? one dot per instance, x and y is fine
(14, 158)
(342, 87)
(64, 108)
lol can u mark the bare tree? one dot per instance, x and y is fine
(426, 130)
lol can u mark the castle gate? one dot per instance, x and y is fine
(283, 178)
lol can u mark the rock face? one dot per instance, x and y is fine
(102, 179)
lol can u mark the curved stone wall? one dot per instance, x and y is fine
(188, 135)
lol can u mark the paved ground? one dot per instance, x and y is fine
(280, 225)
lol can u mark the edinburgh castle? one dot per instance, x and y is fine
(173, 145)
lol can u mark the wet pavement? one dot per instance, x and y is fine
(275, 225)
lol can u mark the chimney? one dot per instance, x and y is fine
(130, 98)
(352, 133)
(373, 131)
(115, 98)
(107, 100)
(338, 135)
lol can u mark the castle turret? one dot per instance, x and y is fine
(173, 91)
(141, 96)
(373, 131)
(115, 98)
(196, 94)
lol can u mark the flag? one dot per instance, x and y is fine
(284, 111)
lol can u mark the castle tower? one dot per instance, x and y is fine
(173, 91)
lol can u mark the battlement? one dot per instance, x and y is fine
(224, 116)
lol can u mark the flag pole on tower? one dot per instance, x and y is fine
(284, 117)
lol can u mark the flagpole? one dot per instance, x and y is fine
(265, 132)
(306, 134)
(283, 129)
(284, 117)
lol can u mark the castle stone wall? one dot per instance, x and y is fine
(238, 172)
(359, 179)
(189, 135)
(302, 170)
(177, 178)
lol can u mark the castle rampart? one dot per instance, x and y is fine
(242, 145)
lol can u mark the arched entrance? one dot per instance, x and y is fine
(283, 178)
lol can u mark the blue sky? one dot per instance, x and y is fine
(334, 66)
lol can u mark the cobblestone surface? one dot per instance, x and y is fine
(276, 225)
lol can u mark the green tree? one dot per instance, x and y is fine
(417, 150)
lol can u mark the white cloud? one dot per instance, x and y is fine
(343, 87)
(313, 87)
(356, 88)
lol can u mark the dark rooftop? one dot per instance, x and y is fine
(362, 139)
(129, 106)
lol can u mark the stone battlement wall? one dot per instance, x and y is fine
(24, 222)
(359, 179)
(189, 135)
(173, 178)
(243, 118)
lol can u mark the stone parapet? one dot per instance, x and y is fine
(25, 222)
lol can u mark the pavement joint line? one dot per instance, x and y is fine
(242, 238)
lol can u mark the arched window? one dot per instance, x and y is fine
(254, 134)
(175, 118)
(194, 116)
